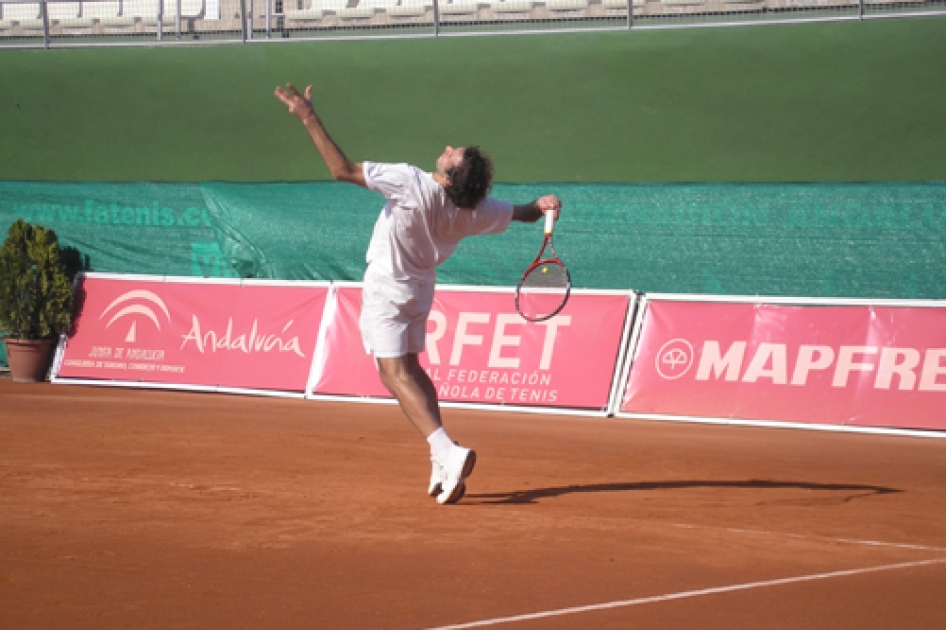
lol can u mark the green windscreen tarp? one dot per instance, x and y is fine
(821, 240)
(807, 240)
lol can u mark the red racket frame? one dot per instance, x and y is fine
(555, 260)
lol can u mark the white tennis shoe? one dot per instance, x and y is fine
(457, 467)
(436, 477)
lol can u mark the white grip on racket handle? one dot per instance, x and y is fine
(549, 221)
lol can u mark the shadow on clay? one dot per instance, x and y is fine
(853, 491)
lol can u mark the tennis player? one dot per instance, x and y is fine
(426, 216)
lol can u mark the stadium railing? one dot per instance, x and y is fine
(57, 23)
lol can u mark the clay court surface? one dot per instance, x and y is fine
(149, 509)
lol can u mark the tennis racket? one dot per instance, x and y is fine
(546, 284)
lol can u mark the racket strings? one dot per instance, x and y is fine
(543, 291)
(547, 275)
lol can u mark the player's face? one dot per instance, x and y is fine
(448, 159)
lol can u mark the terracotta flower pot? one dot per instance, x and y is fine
(29, 358)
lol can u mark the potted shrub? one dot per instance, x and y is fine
(35, 299)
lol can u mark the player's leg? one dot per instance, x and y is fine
(408, 382)
(440, 443)
(394, 327)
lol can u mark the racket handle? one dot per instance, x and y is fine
(549, 222)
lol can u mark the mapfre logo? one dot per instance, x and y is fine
(674, 359)
(135, 305)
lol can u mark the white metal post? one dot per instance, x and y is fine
(269, 19)
(45, 11)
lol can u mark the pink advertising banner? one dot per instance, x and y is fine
(479, 350)
(197, 333)
(865, 366)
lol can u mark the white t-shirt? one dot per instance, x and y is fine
(419, 226)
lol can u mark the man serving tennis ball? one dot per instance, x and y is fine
(426, 216)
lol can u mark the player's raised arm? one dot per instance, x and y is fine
(300, 106)
(532, 212)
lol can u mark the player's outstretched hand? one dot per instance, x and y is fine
(299, 105)
(549, 203)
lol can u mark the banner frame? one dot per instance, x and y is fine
(776, 424)
(796, 301)
(624, 372)
(63, 341)
(615, 391)
(272, 393)
(101, 275)
(763, 300)
(446, 404)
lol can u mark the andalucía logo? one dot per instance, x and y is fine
(140, 303)
(674, 359)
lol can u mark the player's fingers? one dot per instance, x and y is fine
(553, 205)
(550, 203)
(308, 93)
(290, 87)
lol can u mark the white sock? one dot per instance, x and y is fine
(440, 445)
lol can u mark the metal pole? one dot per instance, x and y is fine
(249, 25)
(160, 19)
(243, 19)
(861, 8)
(436, 18)
(269, 19)
(45, 10)
(178, 19)
(630, 14)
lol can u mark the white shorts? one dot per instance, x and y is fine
(394, 314)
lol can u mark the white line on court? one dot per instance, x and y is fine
(878, 543)
(686, 594)
(849, 541)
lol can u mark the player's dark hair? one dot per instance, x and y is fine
(471, 179)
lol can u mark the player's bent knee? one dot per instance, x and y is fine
(394, 373)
